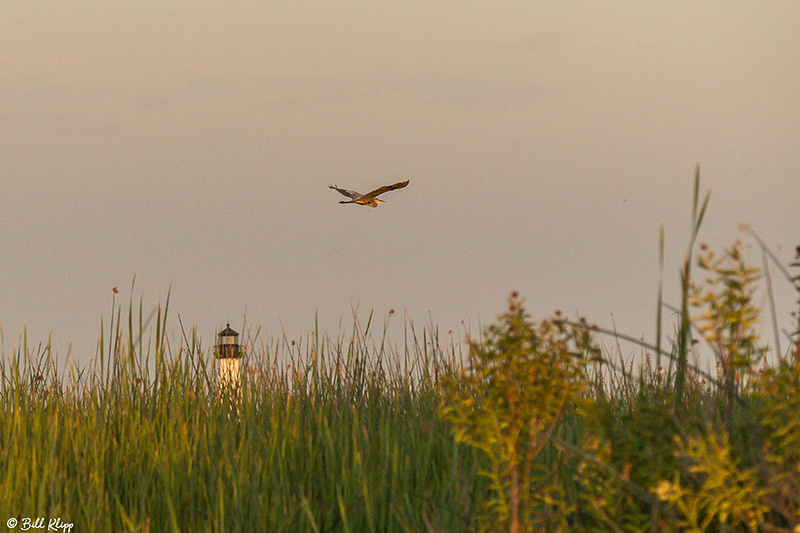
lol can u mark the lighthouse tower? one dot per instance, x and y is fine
(229, 354)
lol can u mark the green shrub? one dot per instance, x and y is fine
(523, 378)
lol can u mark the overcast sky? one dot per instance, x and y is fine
(191, 144)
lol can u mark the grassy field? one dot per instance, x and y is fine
(529, 428)
(336, 440)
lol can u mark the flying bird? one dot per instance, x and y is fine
(370, 198)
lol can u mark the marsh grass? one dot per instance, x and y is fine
(327, 435)
(356, 433)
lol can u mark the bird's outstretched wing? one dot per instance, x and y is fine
(350, 194)
(386, 188)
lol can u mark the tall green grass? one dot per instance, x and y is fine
(334, 435)
(357, 433)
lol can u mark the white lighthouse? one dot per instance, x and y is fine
(229, 355)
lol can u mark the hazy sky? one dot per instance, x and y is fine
(191, 145)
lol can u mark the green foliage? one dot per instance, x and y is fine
(744, 475)
(777, 408)
(729, 317)
(628, 449)
(522, 380)
(723, 454)
(357, 435)
(328, 437)
(795, 281)
(606, 497)
(723, 494)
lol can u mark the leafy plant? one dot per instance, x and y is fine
(723, 494)
(744, 475)
(728, 316)
(522, 379)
